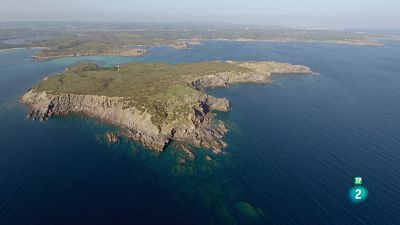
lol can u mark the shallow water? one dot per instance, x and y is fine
(294, 147)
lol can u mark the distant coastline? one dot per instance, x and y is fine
(371, 42)
(187, 44)
(20, 48)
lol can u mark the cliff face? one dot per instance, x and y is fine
(155, 103)
(135, 124)
(259, 72)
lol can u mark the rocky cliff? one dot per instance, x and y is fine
(258, 72)
(168, 110)
(134, 123)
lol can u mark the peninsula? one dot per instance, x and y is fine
(153, 103)
(88, 49)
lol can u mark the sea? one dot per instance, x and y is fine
(295, 146)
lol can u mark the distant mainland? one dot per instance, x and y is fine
(135, 40)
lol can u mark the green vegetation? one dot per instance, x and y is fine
(169, 93)
(159, 88)
(136, 80)
(61, 40)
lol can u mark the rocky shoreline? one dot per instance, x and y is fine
(137, 124)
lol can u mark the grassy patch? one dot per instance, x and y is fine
(159, 88)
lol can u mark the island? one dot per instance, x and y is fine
(152, 103)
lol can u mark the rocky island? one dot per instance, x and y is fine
(153, 103)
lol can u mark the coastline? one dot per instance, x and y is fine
(142, 50)
(21, 48)
(183, 44)
(189, 115)
(123, 53)
(371, 43)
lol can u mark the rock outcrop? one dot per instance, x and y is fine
(134, 123)
(112, 137)
(260, 72)
(181, 111)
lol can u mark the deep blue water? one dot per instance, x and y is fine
(294, 147)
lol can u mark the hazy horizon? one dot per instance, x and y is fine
(321, 13)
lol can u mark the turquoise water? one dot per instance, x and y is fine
(294, 147)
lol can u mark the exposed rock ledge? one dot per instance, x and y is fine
(137, 123)
(261, 73)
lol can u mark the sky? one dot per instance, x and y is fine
(321, 13)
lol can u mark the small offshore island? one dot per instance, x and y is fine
(152, 103)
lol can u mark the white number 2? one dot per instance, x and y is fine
(358, 194)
